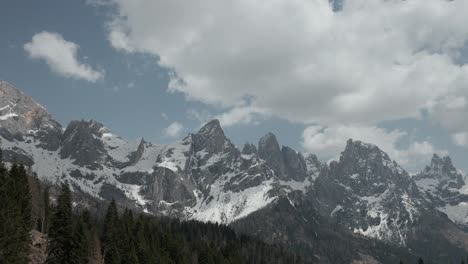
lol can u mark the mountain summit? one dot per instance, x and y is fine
(20, 115)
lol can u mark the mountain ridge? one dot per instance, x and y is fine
(205, 177)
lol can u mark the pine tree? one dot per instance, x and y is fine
(61, 248)
(110, 235)
(82, 239)
(46, 211)
(24, 200)
(3, 209)
(421, 261)
(127, 246)
(15, 215)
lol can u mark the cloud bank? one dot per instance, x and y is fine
(300, 60)
(303, 61)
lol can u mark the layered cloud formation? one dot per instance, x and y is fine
(300, 60)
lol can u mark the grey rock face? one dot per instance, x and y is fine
(17, 155)
(134, 157)
(249, 149)
(167, 185)
(368, 192)
(294, 163)
(21, 115)
(442, 185)
(215, 154)
(442, 170)
(269, 150)
(314, 166)
(285, 162)
(210, 138)
(368, 170)
(81, 142)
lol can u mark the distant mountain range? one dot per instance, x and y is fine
(363, 207)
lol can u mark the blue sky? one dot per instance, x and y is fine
(312, 75)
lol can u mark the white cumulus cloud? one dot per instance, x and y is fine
(61, 56)
(460, 139)
(174, 129)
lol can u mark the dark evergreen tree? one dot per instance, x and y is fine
(82, 239)
(45, 211)
(421, 261)
(15, 215)
(23, 197)
(112, 255)
(4, 215)
(110, 235)
(61, 247)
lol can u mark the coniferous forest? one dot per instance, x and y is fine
(120, 237)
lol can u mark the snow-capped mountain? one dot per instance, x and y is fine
(370, 194)
(443, 185)
(204, 176)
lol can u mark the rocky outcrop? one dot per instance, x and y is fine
(442, 170)
(285, 162)
(249, 149)
(269, 150)
(20, 115)
(294, 164)
(443, 185)
(134, 157)
(369, 193)
(38, 254)
(210, 138)
(314, 166)
(81, 142)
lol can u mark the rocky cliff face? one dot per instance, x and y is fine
(20, 115)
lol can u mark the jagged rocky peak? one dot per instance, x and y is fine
(294, 164)
(365, 154)
(442, 170)
(269, 150)
(314, 166)
(211, 138)
(134, 157)
(249, 149)
(365, 166)
(90, 126)
(287, 163)
(20, 115)
(81, 142)
(268, 144)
